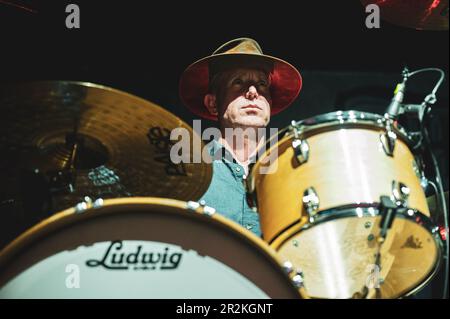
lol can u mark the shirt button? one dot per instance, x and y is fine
(249, 226)
(238, 169)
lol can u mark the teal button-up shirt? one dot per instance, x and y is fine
(226, 193)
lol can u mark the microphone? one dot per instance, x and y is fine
(394, 107)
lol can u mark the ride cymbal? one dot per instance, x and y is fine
(85, 139)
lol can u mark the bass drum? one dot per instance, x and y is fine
(141, 248)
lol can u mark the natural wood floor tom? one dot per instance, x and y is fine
(318, 188)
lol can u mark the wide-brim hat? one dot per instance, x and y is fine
(286, 81)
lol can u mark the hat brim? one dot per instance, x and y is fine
(194, 83)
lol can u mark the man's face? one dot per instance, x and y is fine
(243, 98)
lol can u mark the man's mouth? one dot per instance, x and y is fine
(251, 106)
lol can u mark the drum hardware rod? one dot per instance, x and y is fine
(300, 146)
(311, 202)
(400, 193)
(388, 139)
(63, 181)
(388, 211)
(301, 150)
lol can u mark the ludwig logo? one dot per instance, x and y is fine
(117, 257)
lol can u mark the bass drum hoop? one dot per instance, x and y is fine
(14, 260)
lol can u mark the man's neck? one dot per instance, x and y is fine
(242, 146)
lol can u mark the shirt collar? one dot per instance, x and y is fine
(218, 152)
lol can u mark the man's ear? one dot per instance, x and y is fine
(210, 102)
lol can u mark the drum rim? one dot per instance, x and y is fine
(322, 123)
(371, 211)
(70, 216)
(348, 119)
(348, 115)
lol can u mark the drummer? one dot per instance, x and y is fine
(240, 88)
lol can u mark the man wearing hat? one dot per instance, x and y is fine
(240, 88)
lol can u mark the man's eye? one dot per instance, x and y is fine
(237, 82)
(262, 83)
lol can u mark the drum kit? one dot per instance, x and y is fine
(102, 212)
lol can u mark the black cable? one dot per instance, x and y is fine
(429, 100)
(440, 196)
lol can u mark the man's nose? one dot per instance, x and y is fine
(252, 93)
